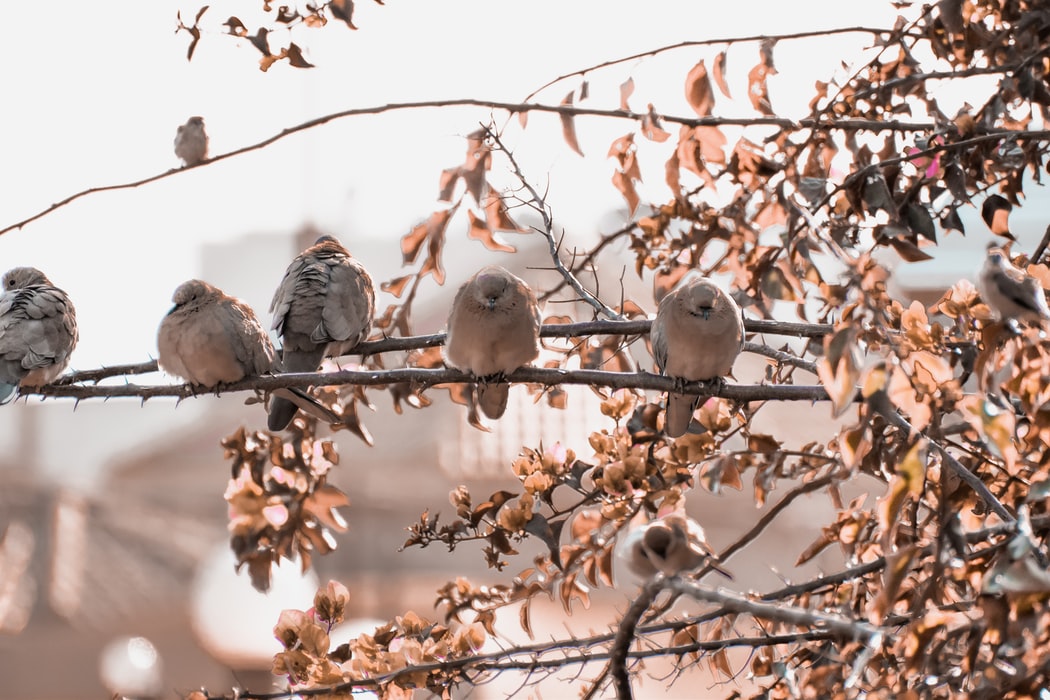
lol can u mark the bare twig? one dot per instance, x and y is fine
(539, 204)
(876, 31)
(588, 258)
(802, 617)
(769, 516)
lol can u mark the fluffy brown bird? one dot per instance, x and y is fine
(696, 335)
(493, 329)
(323, 308)
(38, 330)
(1010, 293)
(209, 338)
(671, 545)
(191, 141)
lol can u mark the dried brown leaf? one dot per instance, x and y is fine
(698, 91)
(479, 230)
(568, 126)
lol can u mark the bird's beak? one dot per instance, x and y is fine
(492, 303)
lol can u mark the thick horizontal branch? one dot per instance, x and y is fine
(429, 377)
(558, 330)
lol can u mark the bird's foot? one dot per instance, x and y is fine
(714, 386)
(494, 378)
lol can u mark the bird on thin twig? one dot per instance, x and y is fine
(493, 329)
(191, 141)
(38, 330)
(323, 307)
(696, 336)
(670, 545)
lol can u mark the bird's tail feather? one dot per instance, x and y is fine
(679, 413)
(492, 399)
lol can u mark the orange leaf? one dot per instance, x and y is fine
(626, 90)
(757, 89)
(479, 231)
(651, 127)
(568, 127)
(412, 242)
(698, 90)
(996, 213)
(626, 186)
(497, 215)
(396, 286)
(449, 178)
(718, 73)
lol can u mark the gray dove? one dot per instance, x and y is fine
(38, 330)
(696, 335)
(209, 338)
(493, 329)
(191, 141)
(322, 308)
(1011, 294)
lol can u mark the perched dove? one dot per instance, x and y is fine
(210, 338)
(696, 335)
(1010, 293)
(38, 330)
(493, 329)
(191, 141)
(671, 544)
(322, 308)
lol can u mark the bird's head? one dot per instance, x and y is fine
(701, 298)
(23, 277)
(490, 286)
(191, 291)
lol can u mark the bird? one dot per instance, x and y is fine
(323, 307)
(696, 335)
(493, 329)
(1011, 294)
(670, 545)
(38, 330)
(191, 141)
(210, 338)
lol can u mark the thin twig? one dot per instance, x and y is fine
(769, 516)
(873, 125)
(802, 617)
(540, 205)
(711, 42)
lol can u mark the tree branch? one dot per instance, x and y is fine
(424, 378)
(876, 31)
(873, 125)
(553, 330)
(801, 617)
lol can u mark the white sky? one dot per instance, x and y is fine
(93, 92)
